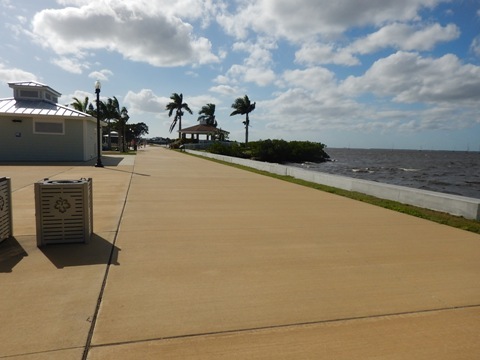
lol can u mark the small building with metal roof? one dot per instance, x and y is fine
(211, 132)
(34, 127)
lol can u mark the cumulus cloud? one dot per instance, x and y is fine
(397, 35)
(226, 90)
(102, 75)
(10, 74)
(315, 78)
(258, 75)
(405, 37)
(146, 101)
(304, 19)
(79, 94)
(409, 78)
(475, 46)
(313, 111)
(71, 64)
(316, 53)
(256, 67)
(7, 4)
(317, 100)
(143, 31)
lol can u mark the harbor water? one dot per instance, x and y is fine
(451, 172)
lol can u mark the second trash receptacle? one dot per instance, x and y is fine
(5, 208)
(64, 211)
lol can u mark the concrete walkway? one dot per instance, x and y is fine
(196, 260)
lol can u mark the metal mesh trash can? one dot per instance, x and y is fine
(6, 227)
(64, 211)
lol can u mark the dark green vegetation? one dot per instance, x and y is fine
(116, 117)
(275, 151)
(436, 216)
(228, 149)
(207, 115)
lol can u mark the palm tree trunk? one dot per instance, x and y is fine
(180, 127)
(246, 130)
(124, 139)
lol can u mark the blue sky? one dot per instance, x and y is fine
(366, 74)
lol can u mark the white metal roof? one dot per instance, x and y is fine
(32, 84)
(11, 106)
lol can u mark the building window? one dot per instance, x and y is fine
(29, 94)
(51, 97)
(51, 127)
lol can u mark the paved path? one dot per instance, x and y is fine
(212, 262)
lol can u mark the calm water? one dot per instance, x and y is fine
(452, 172)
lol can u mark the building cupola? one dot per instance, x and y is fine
(31, 90)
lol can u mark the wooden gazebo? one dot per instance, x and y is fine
(211, 132)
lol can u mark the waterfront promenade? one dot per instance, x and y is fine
(192, 259)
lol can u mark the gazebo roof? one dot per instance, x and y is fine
(203, 129)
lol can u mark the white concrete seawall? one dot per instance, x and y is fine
(452, 204)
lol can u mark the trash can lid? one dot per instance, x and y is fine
(62, 182)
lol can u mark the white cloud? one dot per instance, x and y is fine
(315, 53)
(405, 37)
(79, 94)
(259, 76)
(71, 64)
(256, 67)
(7, 4)
(316, 78)
(398, 36)
(8, 74)
(139, 30)
(102, 75)
(226, 90)
(318, 101)
(145, 101)
(410, 78)
(195, 103)
(312, 111)
(475, 46)
(306, 19)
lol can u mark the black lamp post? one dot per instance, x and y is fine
(99, 138)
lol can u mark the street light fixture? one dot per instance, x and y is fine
(99, 139)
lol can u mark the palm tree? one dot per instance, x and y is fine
(177, 105)
(122, 126)
(84, 106)
(208, 116)
(243, 106)
(120, 115)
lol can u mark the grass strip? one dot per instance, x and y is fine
(432, 215)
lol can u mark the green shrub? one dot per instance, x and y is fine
(281, 151)
(276, 151)
(229, 149)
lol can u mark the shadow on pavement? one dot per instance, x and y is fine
(106, 160)
(11, 253)
(96, 252)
